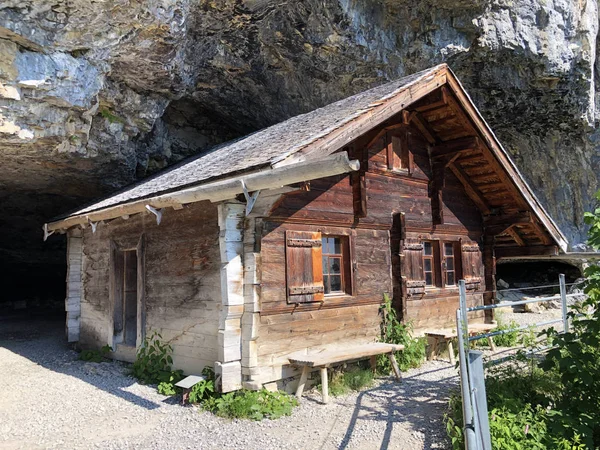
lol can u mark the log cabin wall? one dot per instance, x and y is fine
(180, 281)
(372, 220)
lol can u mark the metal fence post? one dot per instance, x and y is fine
(467, 406)
(563, 301)
(477, 377)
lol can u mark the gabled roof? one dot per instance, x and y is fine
(260, 149)
(302, 141)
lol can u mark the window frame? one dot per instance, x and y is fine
(433, 264)
(345, 266)
(439, 272)
(444, 265)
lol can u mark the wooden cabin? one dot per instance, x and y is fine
(285, 241)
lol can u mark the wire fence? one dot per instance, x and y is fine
(476, 431)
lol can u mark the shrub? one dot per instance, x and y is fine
(153, 363)
(395, 332)
(509, 339)
(202, 391)
(96, 356)
(254, 405)
(554, 403)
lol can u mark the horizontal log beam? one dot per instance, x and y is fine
(517, 252)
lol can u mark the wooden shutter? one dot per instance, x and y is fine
(412, 267)
(471, 265)
(304, 266)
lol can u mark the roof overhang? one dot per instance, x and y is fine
(271, 178)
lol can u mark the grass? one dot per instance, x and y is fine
(343, 382)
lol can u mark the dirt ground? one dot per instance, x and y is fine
(52, 400)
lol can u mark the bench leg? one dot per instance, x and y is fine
(451, 352)
(492, 344)
(374, 364)
(302, 383)
(324, 385)
(432, 343)
(395, 367)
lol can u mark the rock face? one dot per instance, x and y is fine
(95, 95)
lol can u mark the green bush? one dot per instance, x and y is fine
(254, 405)
(510, 339)
(553, 403)
(395, 332)
(153, 364)
(96, 356)
(202, 391)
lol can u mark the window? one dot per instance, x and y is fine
(449, 264)
(333, 264)
(428, 263)
(316, 266)
(441, 264)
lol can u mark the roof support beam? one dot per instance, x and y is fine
(540, 232)
(424, 128)
(456, 146)
(495, 225)
(512, 231)
(470, 189)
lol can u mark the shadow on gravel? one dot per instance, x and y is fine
(42, 341)
(413, 400)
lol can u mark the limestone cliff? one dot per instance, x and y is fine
(96, 94)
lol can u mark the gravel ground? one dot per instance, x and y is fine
(52, 400)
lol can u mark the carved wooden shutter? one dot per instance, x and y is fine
(412, 267)
(304, 266)
(471, 265)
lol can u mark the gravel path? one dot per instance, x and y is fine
(52, 400)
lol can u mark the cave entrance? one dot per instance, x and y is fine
(525, 274)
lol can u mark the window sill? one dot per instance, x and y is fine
(436, 289)
(337, 296)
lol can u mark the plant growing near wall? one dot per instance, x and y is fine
(254, 405)
(153, 363)
(96, 356)
(395, 332)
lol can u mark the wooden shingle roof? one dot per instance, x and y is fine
(434, 98)
(260, 149)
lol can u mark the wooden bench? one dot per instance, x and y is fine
(326, 358)
(447, 335)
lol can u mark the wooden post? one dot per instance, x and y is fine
(492, 344)
(74, 283)
(373, 361)
(451, 352)
(324, 385)
(229, 367)
(395, 367)
(302, 383)
(432, 344)
(489, 262)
